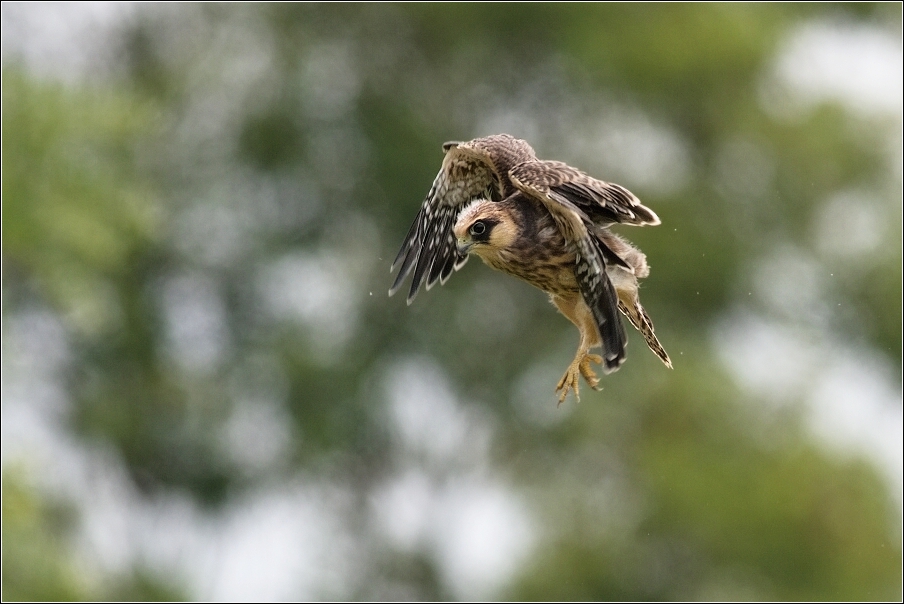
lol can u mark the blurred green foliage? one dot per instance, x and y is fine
(39, 562)
(35, 565)
(73, 213)
(236, 141)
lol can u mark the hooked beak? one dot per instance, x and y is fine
(463, 246)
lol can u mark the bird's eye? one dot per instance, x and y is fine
(478, 228)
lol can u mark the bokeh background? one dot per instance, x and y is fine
(208, 394)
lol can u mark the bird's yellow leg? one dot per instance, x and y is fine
(578, 313)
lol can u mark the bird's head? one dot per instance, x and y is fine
(484, 227)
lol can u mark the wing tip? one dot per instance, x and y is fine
(651, 219)
(395, 288)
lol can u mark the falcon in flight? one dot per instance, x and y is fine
(545, 223)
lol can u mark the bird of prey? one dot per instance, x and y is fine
(545, 223)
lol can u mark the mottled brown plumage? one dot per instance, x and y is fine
(546, 223)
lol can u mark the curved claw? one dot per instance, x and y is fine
(580, 366)
(569, 381)
(587, 371)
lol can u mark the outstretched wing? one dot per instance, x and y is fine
(602, 202)
(475, 168)
(429, 248)
(591, 258)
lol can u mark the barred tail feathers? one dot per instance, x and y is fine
(641, 321)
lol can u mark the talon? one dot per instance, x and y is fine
(571, 379)
(588, 372)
